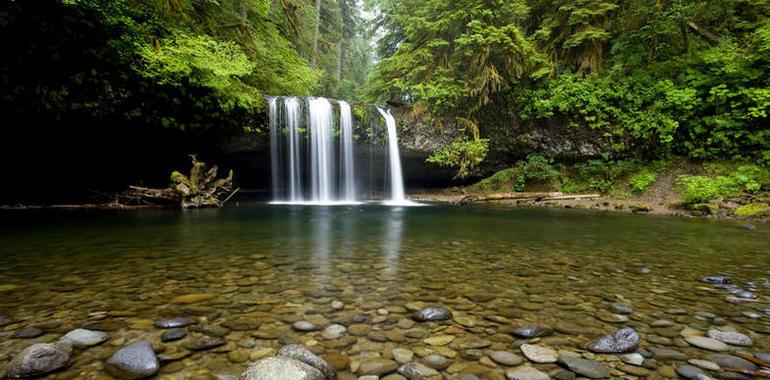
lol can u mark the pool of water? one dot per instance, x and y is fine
(260, 268)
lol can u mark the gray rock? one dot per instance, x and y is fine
(619, 308)
(436, 361)
(205, 344)
(526, 373)
(663, 354)
(706, 343)
(39, 359)
(745, 294)
(716, 280)
(747, 227)
(277, 368)
(171, 335)
(762, 356)
(433, 314)
(585, 367)
(27, 333)
(417, 371)
(730, 361)
(532, 332)
(302, 354)
(621, 341)
(539, 354)
(506, 358)
(402, 355)
(633, 359)
(378, 367)
(82, 338)
(689, 372)
(334, 332)
(730, 337)
(173, 323)
(705, 364)
(304, 326)
(135, 361)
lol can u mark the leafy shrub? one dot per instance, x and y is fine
(498, 180)
(465, 155)
(753, 210)
(701, 189)
(642, 181)
(537, 169)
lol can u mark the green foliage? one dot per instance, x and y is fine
(700, 189)
(464, 155)
(642, 181)
(535, 169)
(753, 210)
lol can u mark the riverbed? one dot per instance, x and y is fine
(256, 277)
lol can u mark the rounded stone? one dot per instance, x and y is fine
(302, 354)
(532, 332)
(526, 373)
(433, 314)
(172, 323)
(588, 368)
(171, 335)
(417, 371)
(506, 358)
(402, 355)
(82, 338)
(706, 343)
(621, 341)
(278, 368)
(730, 337)
(435, 361)
(689, 372)
(334, 332)
(27, 333)
(539, 354)
(135, 361)
(40, 359)
(303, 326)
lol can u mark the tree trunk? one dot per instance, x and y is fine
(317, 34)
(339, 65)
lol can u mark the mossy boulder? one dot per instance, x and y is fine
(640, 208)
(703, 209)
(753, 210)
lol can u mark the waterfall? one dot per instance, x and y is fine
(397, 194)
(347, 178)
(292, 107)
(275, 146)
(313, 160)
(321, 150)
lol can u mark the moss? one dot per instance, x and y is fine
(753, 210)
(702, 209)
(640, 208)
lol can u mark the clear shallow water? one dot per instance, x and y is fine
(280, 264)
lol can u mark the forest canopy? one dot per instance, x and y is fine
(645, 78)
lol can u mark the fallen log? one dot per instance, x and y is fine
(537, 197)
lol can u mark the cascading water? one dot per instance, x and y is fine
(321, 150)
(397, 194)
(292, 109)
(307, 167)
(347, 179)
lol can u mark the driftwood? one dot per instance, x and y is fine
(537, 197)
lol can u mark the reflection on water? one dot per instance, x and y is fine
(281, 264)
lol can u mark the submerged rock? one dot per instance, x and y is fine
(302, 354)
(171, 335)
(539, 354)
(526, 373)
(279, 368)
(716, 280)
(173, 323)
(27, 333)
(135, 361)
(706, 343)
(747, 227)
(585, 367)
(619, 342)
(417, 371)
(81, 338)
(532, 332)
(433, 314)
(334, 332)
(40, 359)
(205, 344)
(730, 337)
